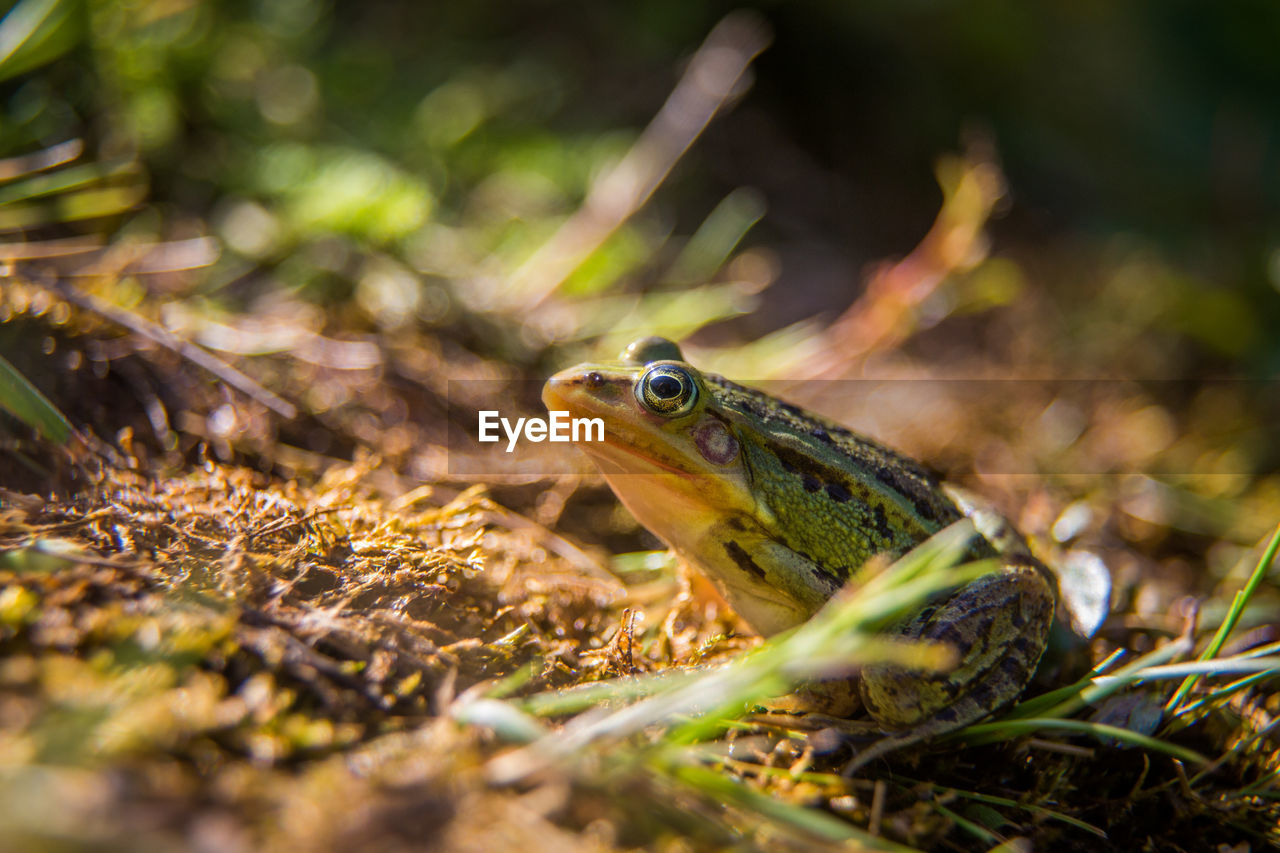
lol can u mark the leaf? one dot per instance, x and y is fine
(21, 399)
(35, 32)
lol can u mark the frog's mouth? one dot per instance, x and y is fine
(613, 452)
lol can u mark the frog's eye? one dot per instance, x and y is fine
(667, 389)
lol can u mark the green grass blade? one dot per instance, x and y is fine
(61, 181)
(25, 402)
(1028, 807)
(35, 32)
(1035, 706)
(1223, 693)
(1009, 728)
(1217, 666)
(1228, 624)
(980, 832)
(819, 824)
(1068, 700)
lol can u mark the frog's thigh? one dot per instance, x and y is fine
(998, 624)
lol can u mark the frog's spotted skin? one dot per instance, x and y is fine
(779, 507)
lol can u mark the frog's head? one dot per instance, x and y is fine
(661, 419)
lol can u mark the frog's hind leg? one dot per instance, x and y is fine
(998, 625)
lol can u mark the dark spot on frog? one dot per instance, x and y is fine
(882, 523)
(735, 523)
(917, 492)
(754, 408)
(944, 685)
(812, 473)
(925, 510)
(834, 576)
(838, 493)
(1017, 619)
(1022, 644)
(946, 715)
(821, 434)
(1013, 667)
(951, 634)
(823, 576)
(982, 695)
(740, 556)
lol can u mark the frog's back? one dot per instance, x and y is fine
(837, 497)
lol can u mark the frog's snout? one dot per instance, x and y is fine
(558, 390)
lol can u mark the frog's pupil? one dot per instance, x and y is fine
(665, 387)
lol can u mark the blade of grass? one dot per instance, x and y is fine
(1223, 693)
(1009, 728)
(1218, 666)
(63, 180)
(34, 32)
(25, 402)
(980, 832)
(1077, 695)
(1228, 625)
(1236, 749)
(571, 700)
(819, 824)
(1034, 706)
(1005, 801)
(38, 161)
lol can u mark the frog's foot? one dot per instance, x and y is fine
(963, 713)
(998, 624)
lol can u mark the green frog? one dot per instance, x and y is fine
(779, 508)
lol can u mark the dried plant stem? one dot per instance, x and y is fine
(712, 78)
(159, 335)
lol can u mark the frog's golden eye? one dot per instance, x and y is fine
(667, 389)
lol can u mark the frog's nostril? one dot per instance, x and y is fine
(594, 380)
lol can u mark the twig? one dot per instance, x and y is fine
(39, 161)
(877, 807)
(44, 249)
(887, 311)
(711, 79)
(140, 326)
(152, 258)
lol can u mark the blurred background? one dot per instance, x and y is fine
(356, 204)
(269, 258)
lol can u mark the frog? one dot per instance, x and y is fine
(780, 509)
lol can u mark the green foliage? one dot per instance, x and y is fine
(25, 402)
(1238, 604)
(35, 32)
